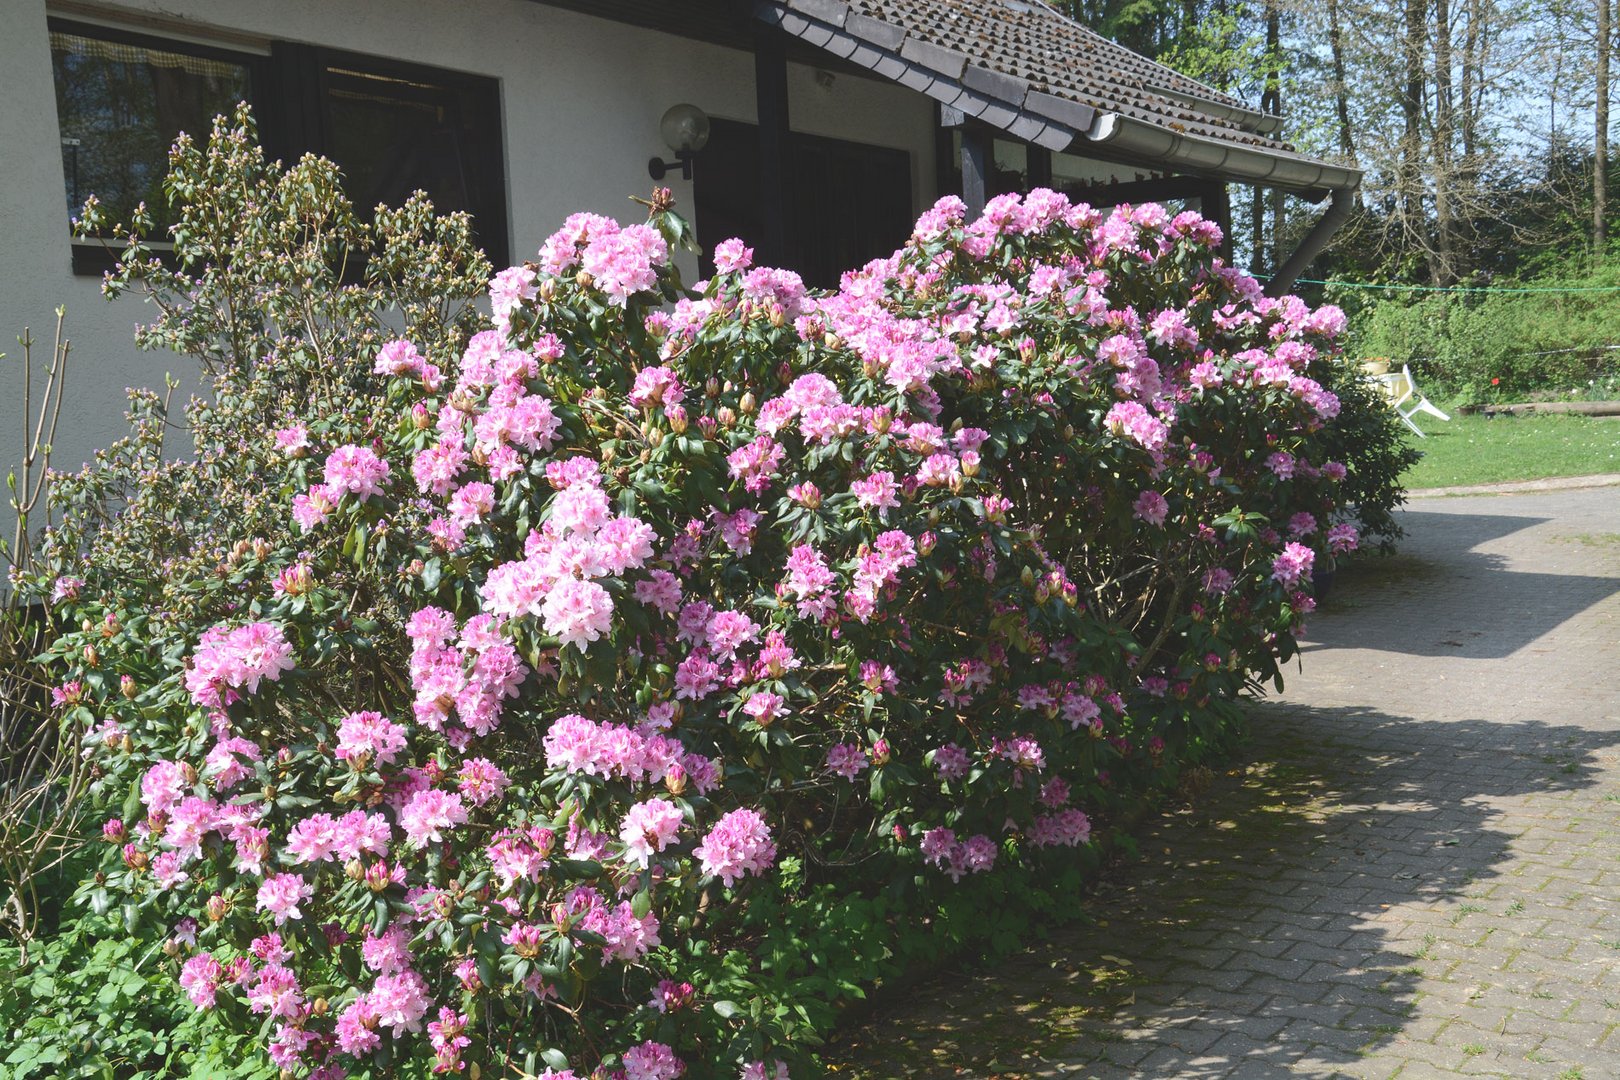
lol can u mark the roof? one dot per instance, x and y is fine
(1023, 67)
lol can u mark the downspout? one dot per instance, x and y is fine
(1338, 212)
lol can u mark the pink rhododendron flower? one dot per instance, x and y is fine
(739, 843)
(481, 781)
(356, 470)
(280, 895)
(652, 1061)
(429, 815)
(1151, 507)
(649, 828)
(162, 785)
(401, 1001)
(369, 737)
(201, 977)
(846, 760)
(226, 660)
(577, 612)
(1294, 562)
(732, 255)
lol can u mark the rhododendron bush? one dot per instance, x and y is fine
(624, 665)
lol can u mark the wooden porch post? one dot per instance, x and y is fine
(1217, 207)
(775, 172)
(975, 147)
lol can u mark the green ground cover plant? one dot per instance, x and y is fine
(617, 683)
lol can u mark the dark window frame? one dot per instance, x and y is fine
(91, 257)
(288, 89)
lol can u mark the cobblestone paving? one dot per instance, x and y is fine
(1414, 871)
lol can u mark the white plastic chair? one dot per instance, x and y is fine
(1400, 388)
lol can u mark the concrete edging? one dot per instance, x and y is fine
(1515, 487)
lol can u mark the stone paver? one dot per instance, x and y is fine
(1414, 871)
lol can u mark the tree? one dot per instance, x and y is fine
(1600, 136)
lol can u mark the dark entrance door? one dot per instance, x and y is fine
(850, 202)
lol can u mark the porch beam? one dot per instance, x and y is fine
(775, 172)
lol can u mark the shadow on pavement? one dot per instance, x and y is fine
(1473, 605)
(1253, 936)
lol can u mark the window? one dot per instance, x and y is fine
(120, 101)
(393, 127)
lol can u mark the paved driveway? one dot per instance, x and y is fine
(1416, 873)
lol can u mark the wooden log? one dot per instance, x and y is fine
(1578, 408)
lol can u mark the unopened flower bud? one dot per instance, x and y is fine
(377, 877)
(354, 870)
(135, 858)
(548, 289)
(113, 831)
(725, 416)
(126, 686)
(583, 279)
(712, 387)
(92, 659)
(925, 543)
(126, 744)
(320, 1007)
(676, 415)
(880, 752)
(217, 907)
(421, 418)
(747, 405)
(675, 780)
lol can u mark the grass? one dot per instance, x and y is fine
(1474, 449)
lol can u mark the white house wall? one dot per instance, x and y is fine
(582, 100)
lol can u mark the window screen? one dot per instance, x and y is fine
(120, 103)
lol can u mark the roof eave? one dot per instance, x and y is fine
(1036, 116)
(1219, 159)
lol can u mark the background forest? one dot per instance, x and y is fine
(1477, 124)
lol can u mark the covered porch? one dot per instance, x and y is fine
(1022, 97)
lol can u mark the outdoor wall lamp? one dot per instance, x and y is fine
(685, 129)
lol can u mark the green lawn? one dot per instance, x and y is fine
(1475, 449)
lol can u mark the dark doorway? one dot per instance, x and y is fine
(850, 202)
